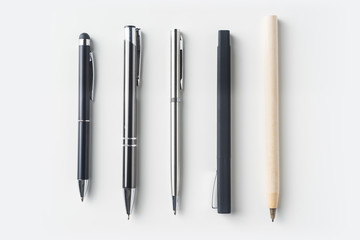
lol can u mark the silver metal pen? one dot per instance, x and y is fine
(176, 88)
(132, 68)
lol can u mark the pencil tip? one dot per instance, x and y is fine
(272, 213)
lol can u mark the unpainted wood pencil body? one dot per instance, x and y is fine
(272, 110)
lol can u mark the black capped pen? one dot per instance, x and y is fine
(223, 174)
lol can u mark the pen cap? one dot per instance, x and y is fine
(133, 40)
(176, 64)
(130, 34)
(224, 122)
(224, 37)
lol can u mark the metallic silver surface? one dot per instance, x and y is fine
(83, 42)
(129, 195)
(139, 55)
(83, 187)
(93, 75)
(214, 204)
(132, 53)
(176, 86)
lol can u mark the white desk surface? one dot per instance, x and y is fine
(320, 120)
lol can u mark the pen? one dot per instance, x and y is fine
(132, 67)
(271, 113)
(223, 174)
(86, 96)
(176, 88)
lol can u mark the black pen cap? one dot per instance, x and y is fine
(224, 37)
(84, 36)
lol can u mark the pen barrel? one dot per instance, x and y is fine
(224, 123)
(130, 108)
(175, 108)
(272, 110)
(129, 167)
(175, 143)
(83, 150)
(85, 76)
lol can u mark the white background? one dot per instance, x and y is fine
(320, 120)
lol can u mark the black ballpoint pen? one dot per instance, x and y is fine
(86, 96)
(132, 67)
(223, 178)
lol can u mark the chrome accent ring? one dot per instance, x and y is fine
(84, 42)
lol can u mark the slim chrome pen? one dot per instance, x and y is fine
(132, 67)
(86, 96)
(176, 88)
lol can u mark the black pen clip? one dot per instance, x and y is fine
(139, 55)
(93, 76)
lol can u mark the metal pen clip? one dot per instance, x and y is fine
(92, 60)
(181, 43)
(139, 55)
(214, 204)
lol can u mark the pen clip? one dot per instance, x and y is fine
(214, 204)
(139, 55)
(92, 60)
(181, 43)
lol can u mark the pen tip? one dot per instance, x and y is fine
(272, 213)
(128, 216)
(174, 212)
(82, 199)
